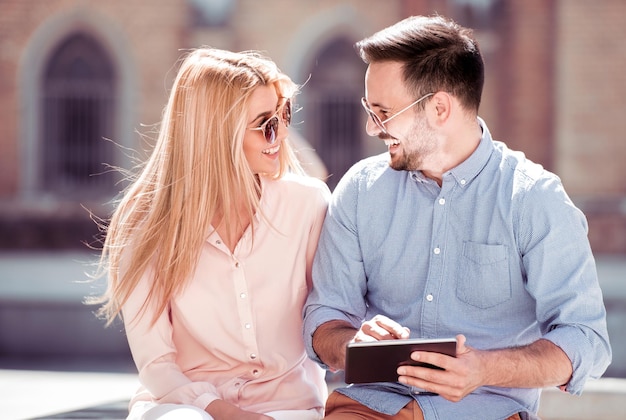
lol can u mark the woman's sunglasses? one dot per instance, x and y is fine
(270, 127)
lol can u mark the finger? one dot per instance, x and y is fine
(421, 377)
(432, 358)
(431, 380)
(391, 327)
(377, 331)
(460, 344)
(361, 336)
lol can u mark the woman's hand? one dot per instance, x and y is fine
(221, 410)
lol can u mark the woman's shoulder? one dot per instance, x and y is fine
(300, 190)
(301, 186)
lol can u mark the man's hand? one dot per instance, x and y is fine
(381, 328)
(461, 376)
(330, 338)
(537, 365)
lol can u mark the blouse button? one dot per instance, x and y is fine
(429, 298)
(253, 356)
(442, 201)
(218, 242)
(237, 264)
(248, 326)
(243, 295)
(437, 251)
(255, 372)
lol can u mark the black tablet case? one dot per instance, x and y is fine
(377, 361)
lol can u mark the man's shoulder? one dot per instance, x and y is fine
(368, 169)
(380, 160)
(527, 181)
(520, 167)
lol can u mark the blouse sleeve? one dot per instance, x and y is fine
(154, 354)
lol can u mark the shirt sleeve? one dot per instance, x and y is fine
(154, 354)
(321, 205)
(561, 276)
(338, 273)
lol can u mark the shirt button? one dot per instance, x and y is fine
(252, 356)
(237, 384)
(442, 201)
(243, 295)
(218, 242)
(248, 326)
(237, 264)
(429, 298)
(437, 251)
(255, 372)
(463, 182)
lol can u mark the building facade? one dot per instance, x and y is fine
(83, 83)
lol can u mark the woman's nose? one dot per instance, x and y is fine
(282, 130)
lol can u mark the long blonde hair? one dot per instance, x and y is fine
(196, 171)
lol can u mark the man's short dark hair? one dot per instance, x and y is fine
(437, 55)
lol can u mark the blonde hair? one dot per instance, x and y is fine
(196, 171)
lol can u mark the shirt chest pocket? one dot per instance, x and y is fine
(483, 278)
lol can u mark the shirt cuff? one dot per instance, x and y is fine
(204, 400)
(582, 353)
(313, 319)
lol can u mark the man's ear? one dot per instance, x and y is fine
(442, 102)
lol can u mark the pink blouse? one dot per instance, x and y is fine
(235, 333)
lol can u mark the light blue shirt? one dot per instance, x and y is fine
(498, 253)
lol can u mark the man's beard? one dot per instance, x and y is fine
(422, 140)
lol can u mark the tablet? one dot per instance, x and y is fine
(378, 361)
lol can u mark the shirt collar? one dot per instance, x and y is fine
(467, 170)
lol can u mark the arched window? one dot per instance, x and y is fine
(334, 119)
(78, 96)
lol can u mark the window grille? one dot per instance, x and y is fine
(77, 99)
(334, 119)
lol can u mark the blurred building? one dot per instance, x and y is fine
(82, 84)
(80, 80)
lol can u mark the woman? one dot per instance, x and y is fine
(209, 251)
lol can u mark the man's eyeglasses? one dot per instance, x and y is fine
(381, 124)
(270, 127)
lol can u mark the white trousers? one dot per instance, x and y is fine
(152, 411)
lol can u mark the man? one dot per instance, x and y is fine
(451, 234)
